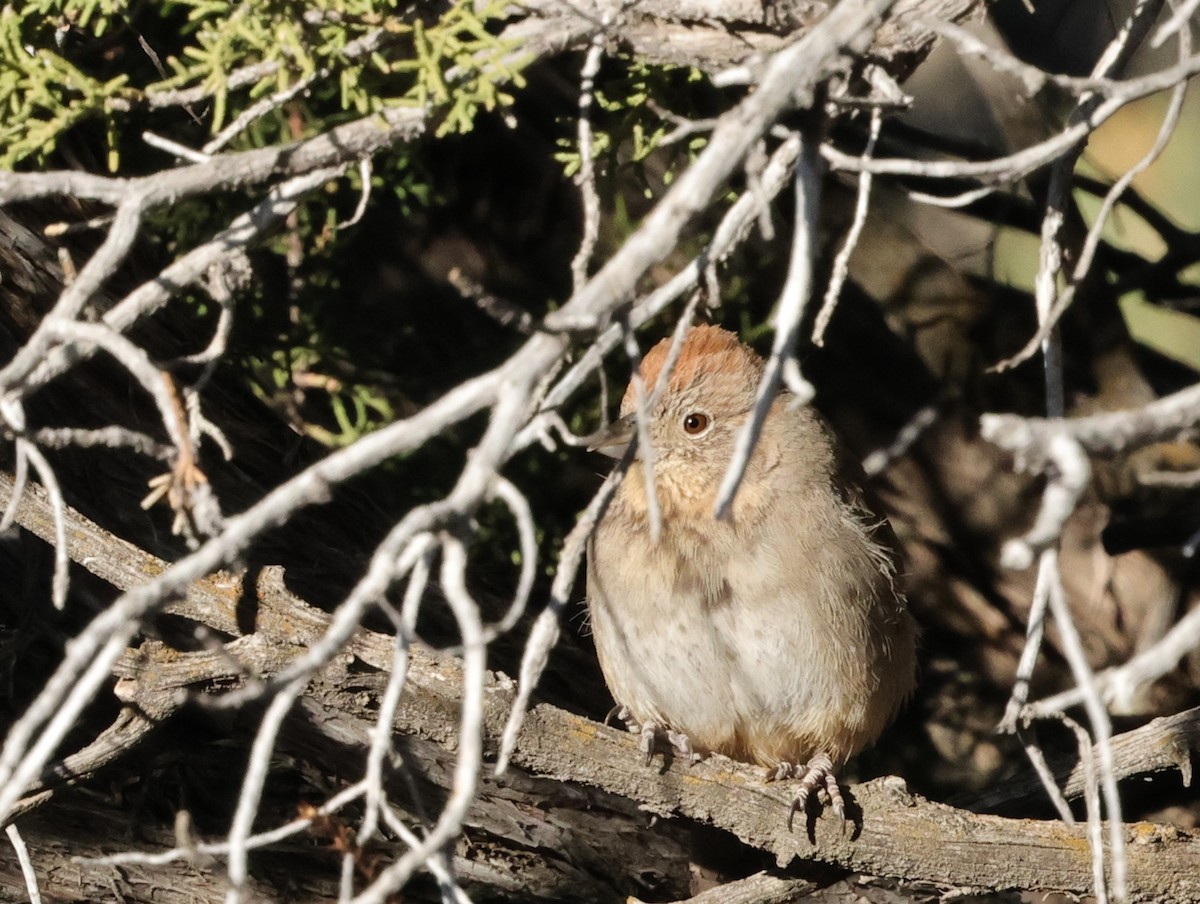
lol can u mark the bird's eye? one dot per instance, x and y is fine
(695, 423)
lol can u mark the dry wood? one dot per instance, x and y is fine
(899, 834)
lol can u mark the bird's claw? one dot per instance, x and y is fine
(815, 775)
(649, 735)
(622, 714)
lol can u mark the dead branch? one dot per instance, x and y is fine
(900, 835)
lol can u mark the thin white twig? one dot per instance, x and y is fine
(346, 879)
(1091, 243)
(841, 263)
(106, 259)
(1119, 686)
(1091, 799)
(877, 461)
(1120, 48)
(174, 147)
(62, 562)
(13, 413)
(586, 177)
(952, 202)
(518, 506)
(645, 446)
(221, 848)
(111, 437)
(1014, 713)
(544, 634)
(1178, 21)
(438, 864)
(381, 734)
(180, 150)
(253, 779)
(1085, 680)
(217, 282)
(364, 196)
(61, 228)
(684, 127)
(134, 360)
(27, 870)
(259, 109)
(732, 231)
(1004, 170)
(1042, 769)
(1032, 78)
(682, 327)
(1035, 631)
(1071, 472)
(200, 426)
(470, 735)
(647, 405)
(756, 162)
(782, 366)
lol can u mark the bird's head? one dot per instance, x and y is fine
(694, 424)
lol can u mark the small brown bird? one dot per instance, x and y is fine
(776, 636)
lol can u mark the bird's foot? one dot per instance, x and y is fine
(815, 775)
(653, 738)
(672, 743)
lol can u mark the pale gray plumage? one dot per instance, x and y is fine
(775, 636)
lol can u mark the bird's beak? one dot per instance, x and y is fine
(614, 439)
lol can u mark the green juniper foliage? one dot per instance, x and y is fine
(63, 63)
(627, 127)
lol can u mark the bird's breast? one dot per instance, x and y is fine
(750, 642)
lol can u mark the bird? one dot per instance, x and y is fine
(778, 635)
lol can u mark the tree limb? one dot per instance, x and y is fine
(900, 835)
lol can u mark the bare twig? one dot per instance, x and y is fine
(152, 295)
(1119, 686)
(518, 506)
(782, 366)
(1091, 244)
(586, 178)
(381, 738)
(217, 849)
(365, 169)
(1178, 20)
(544, 634)
(1071, 473)
(470, 735)
(27, 870)
(107, 258)
(841, 263)
(61, 581)
(181, 151)
(1003, 170)
(335, 148)
(1102, 435)
(253, 778)
(733, 229)
(112, 437)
